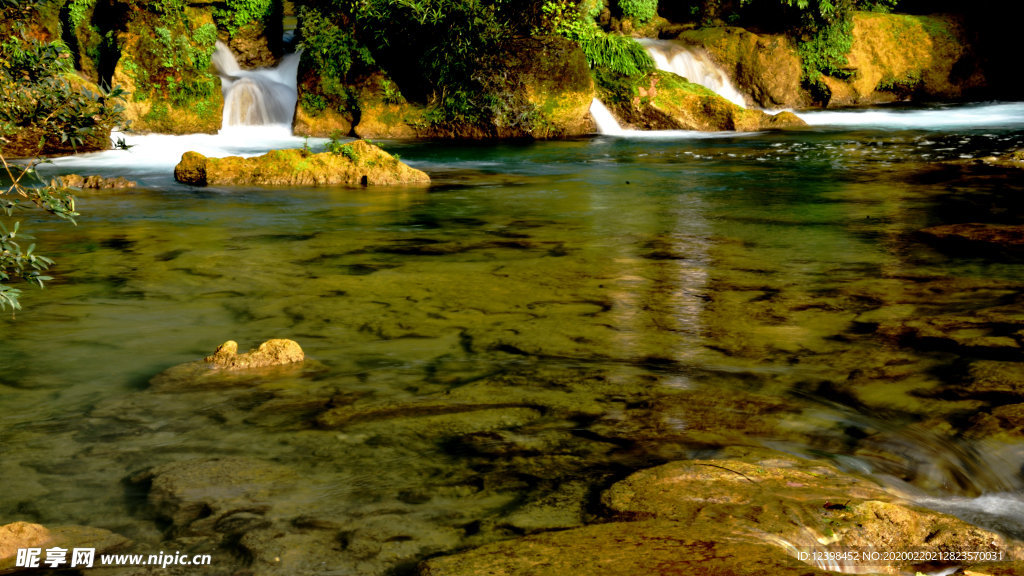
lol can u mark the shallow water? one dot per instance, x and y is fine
(488, 355)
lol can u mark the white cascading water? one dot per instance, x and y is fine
(256, 97)
(258, 110)
(693, 64)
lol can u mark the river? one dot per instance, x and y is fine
(486, 356)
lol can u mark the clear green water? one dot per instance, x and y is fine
(488, 355)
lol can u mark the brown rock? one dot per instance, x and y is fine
(270, 353)
(358, 163)
(27, 535)
(93, 182)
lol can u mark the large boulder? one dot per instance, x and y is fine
(358, 163)
(898, 57)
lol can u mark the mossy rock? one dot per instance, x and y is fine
(358, 164)
(665, 101)
(157, 108)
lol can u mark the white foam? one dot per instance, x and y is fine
(992, 115)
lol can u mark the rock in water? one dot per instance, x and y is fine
(227, 368)
(357, 163)
(93, 182)
(271, 353)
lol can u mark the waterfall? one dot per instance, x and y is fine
(606, 123)
(694, 65)
(256, 97)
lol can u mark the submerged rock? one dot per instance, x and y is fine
(214, 496)
(974, 234)
(741, 515)
(358, 163)
(621, 549)
(94, 182)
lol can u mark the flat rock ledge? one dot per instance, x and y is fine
(357, 163)
(750, 513)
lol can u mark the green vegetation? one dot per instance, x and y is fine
(19, 263)
(604, 51)
(639, 10)
(238, 13)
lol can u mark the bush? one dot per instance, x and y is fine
(639, 10)
(238, 13)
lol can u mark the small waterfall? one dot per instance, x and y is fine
(606, 123)
(694, 65)
(256, 97)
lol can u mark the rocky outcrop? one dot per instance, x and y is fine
(358, 163)
(665, 101)
(899, 57)
(728, 516)
(894, 57)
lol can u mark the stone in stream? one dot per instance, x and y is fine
(93, 182)
(357, 163)
(226, 366)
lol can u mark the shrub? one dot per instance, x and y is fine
(639, 10)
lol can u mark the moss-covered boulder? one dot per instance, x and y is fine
(765, 67)
(165, 66)
(894, 57)
(542, 88)
(358, 163)
(898, 57)
(665, 101)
